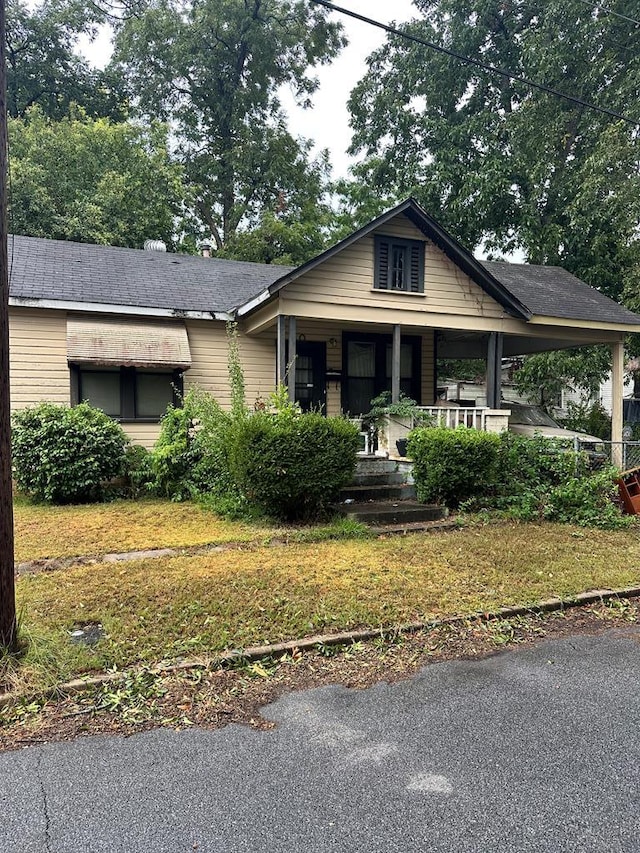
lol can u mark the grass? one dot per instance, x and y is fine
(68, 531)
(185, 606)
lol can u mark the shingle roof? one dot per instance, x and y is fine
(81, 272)
(554, 292)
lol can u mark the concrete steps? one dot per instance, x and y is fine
(381, 496)
(396, 513)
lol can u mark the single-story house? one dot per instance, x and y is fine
(123, 328)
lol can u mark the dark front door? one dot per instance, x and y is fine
(311, 375)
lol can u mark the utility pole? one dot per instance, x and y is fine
(8, 634)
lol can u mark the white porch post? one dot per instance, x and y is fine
(281, 351)
(291, 372)
(494, 370)
(617, 385)
(395, 365)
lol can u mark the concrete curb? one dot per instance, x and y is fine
(276, 650)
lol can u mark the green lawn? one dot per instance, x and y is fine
(184, 606)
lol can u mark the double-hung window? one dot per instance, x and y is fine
(398, 264)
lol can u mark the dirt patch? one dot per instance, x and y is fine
(213, 698)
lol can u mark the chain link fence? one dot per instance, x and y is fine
(623, 454)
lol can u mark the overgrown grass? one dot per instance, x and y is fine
(43, 531)
(182, 606)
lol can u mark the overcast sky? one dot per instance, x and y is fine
(327, 123)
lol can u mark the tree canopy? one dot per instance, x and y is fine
(44, 68)
(93, 180)
(497, 162)
(214, 68)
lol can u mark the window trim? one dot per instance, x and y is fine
(382, 279)
(128, 389)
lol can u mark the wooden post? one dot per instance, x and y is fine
(8, 634)
(617, 390)
(291, 367)
(281, 351)
(395, 365)
(494, 370)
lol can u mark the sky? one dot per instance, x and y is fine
(327, 123)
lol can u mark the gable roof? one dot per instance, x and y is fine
(61, 271)
(554, 292)
(431, 229)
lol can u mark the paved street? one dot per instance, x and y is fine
(531, 750)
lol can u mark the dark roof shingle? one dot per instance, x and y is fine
(554, 292)
(82, 272)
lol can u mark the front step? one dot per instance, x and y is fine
(383, 492)
(375, 465)
(390, 512)
(393, 478)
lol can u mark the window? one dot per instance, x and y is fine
(127, 393)
(399, 264)
(367, 369)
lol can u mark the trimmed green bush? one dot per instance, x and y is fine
(453, 465)
(293, 465)
(66, 455)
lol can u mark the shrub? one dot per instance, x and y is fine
(66, 455)
(591, 418)
(138, 471)
(452, 465)
(190, 458)
(588, 501)
(293, 465)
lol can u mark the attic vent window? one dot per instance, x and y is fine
(399, 264)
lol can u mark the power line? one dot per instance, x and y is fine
(492, 69)
(609, 11)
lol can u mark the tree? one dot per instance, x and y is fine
(44, 69)
(213, 67)
(93, 181)
(543, 377)
(497, 161)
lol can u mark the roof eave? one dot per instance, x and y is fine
(109, 308)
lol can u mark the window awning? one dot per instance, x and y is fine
(127, 344)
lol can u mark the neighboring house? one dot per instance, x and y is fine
(122, 327)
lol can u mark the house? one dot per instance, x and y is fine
(123, 328)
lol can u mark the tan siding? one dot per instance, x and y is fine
(347, 279)
(209, 370)
(144, 434)
(38, 355)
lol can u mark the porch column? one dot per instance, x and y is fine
(281, 350)
(617, 388)
(291, 371)
(494, 370)
(395, 365)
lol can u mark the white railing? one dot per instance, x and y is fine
(484, 419)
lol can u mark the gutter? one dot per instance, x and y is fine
(106, 308)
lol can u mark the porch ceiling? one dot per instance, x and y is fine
(463, 344)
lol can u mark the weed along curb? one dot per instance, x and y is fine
(345, 638)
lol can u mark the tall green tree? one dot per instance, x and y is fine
(93, 180)
(498, 162)
(214, 67)
(44, 67)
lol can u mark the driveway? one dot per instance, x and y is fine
(535, 749)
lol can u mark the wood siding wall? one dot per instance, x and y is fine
(38, 355)
(347, 279)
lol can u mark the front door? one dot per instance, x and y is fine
(311, 375)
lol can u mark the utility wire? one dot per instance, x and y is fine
(492, 69)
(599, 6)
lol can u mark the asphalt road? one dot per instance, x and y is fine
(531, 750)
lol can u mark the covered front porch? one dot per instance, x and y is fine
(339, 367)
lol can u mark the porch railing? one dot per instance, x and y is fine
(484, 419)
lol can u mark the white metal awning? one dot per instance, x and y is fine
(127, 344)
